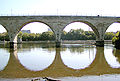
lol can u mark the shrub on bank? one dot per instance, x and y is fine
(116, 40)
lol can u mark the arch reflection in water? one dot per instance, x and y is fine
(36, 59)
(78, 58)
(4, 58)
(112, 57)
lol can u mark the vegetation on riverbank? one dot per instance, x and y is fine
(116, 40)
(78, 34)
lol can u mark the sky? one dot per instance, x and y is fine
(60, 7)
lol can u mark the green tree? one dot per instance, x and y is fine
(47, 36)
(31, 37)
(25, 37)
(90, 35)
(116, 40)
(109, 35)
(4, 36)
(63, 35)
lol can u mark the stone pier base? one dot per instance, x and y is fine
(99, 43)
(58, 44)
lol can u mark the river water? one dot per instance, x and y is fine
(71, 60)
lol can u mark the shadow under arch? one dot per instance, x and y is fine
(32, 21)
(87, 23)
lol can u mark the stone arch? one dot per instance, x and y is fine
(4, 26)
(87, 23)
(25, 23)
(111, 24)
(112, 28)
(3, 29)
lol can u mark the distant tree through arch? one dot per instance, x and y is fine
(78, 31)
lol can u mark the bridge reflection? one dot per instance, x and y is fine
(99, 66)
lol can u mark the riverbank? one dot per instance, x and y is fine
(63, 42)
(70, 42)
(107, 77)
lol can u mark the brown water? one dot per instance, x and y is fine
(71, 60)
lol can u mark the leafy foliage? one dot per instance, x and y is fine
(73, 34)
(4, 36)
(38, 37)
(78, 34)
(109, 35)
(116, 37)
(116, 40)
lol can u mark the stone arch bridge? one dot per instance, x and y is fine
(13, 24)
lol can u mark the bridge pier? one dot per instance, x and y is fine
(58, 44)
(13, 45)
(13, 39)
(58, 38)
(100, 43)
